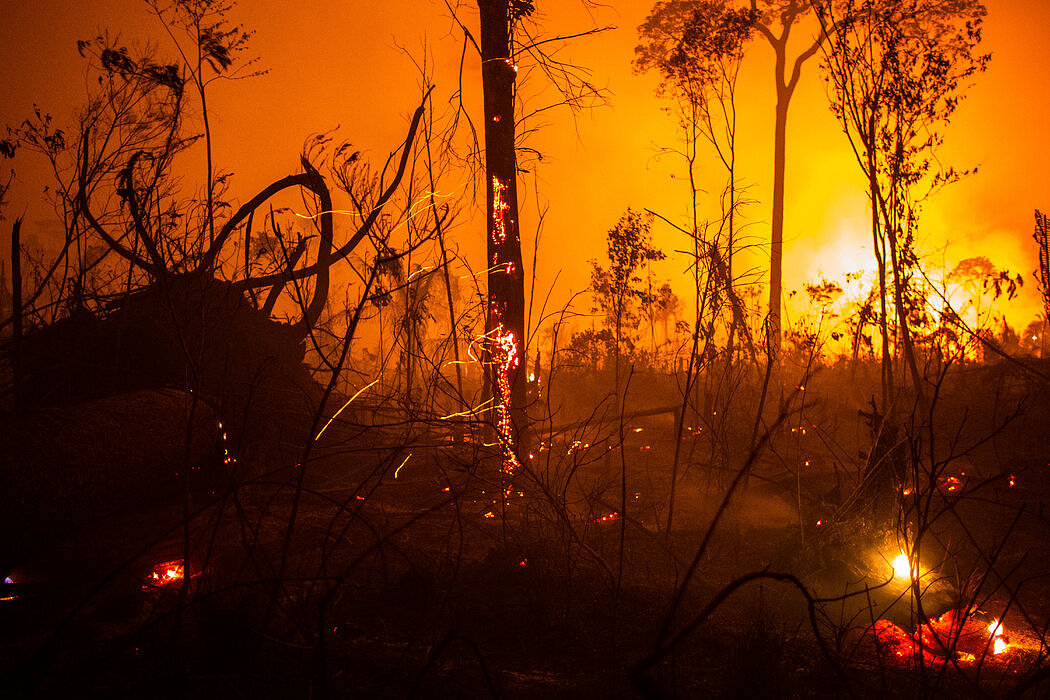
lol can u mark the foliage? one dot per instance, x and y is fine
(619, 294)
(896, 72)
(691, 44)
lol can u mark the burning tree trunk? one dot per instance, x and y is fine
(505, 324)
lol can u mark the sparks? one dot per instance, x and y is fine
(336, 414)
(469, 412)
(396, 471)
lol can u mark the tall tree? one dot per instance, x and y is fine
(774, 22)
(505, 326)
(696, 47)
(896, 72)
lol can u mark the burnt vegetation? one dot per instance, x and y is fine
(293, 443)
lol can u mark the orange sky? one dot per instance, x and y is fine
(340, 64)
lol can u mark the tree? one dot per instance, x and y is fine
(696, 47)
(787, 13)
(896, 71)
(506, 47)
(505, 325)
(618, 291)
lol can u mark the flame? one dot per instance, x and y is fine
(999, 643)
(165, 574)
(607, 518)
(967, 637)
(902, 567)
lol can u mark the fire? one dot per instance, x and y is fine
(608, 517)
(505, 354)
(165, 574)
(956, 632)
(999, 643)
(499, 211)
(903, 568)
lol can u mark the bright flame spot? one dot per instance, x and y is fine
(1012, 481)
(490, 514)
(999, 643)
(902, 568)
(523, 562)
(166, 573)
(607, 518)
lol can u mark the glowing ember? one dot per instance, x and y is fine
(951, 483)
(165, 574)
(607, 518)
(952, 635)
(505, 355)
(499, 211)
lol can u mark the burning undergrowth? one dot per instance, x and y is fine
(392, 565)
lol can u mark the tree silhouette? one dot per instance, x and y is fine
(618, 291)
(896, 71)
(784, 13)
(696, 47)
(505, 326)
